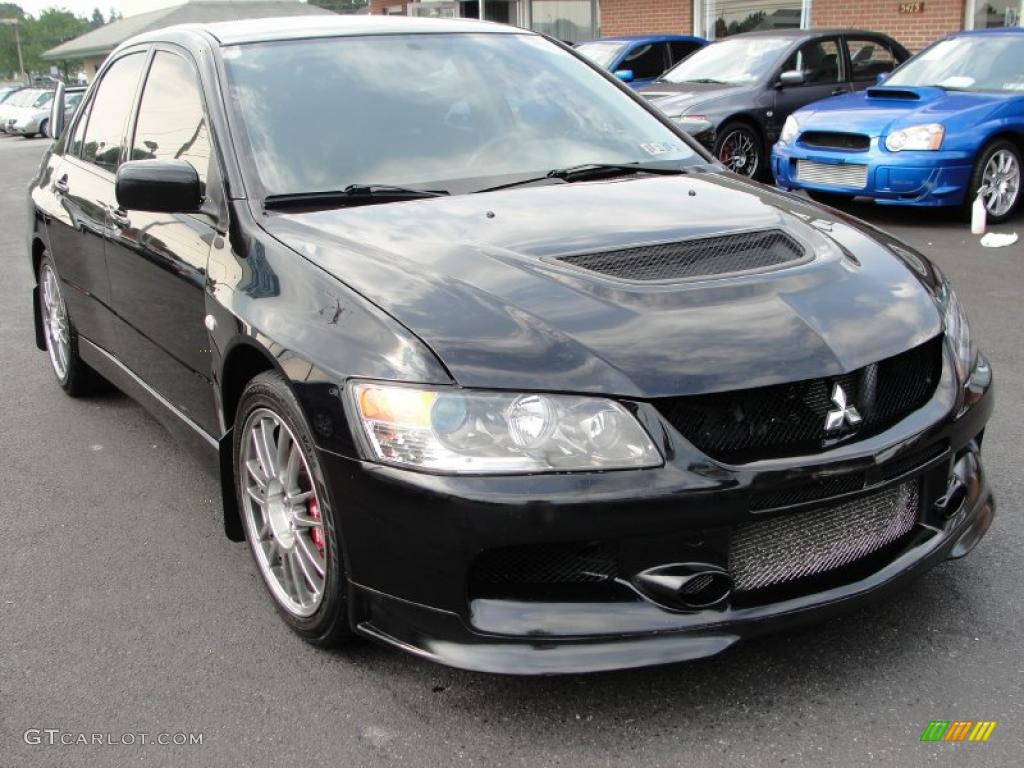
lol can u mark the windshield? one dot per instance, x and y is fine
(23, 98)
(975, 63)
(602, 54)
(737, 61)
(439, 111)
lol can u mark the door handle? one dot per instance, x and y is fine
(120, 218)
(61, 185)
(838, 91)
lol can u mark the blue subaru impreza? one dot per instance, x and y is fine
(945, 127)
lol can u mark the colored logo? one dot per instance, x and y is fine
(958, 730)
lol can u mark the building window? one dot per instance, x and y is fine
(570, 20)
(715, 19)
(986, 14)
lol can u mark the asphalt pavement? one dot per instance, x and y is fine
(124, 611)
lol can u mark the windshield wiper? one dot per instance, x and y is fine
(592, 171)
(707, 80)
(353, 193)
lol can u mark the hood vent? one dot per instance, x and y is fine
(892, 93)
(704, 257)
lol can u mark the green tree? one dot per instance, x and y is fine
(8, 50)
(51, 28)
(97, 19)
(340, 6)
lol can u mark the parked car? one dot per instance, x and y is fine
(27, 101)
(640, 59)
(521, 382)
(734, 96)
(9, 90)
(33, 121)
(948, 125)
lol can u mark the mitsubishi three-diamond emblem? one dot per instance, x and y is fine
(843, 413)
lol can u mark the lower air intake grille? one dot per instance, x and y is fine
(690, 259)
(846, 175)
(789, 419)
(537, 564)
(767, 553)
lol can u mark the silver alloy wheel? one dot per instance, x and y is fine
(55, 322)
(738, 153)
(1000, 182)
(282, 513)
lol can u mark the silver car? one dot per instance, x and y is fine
(26, 103)
(32, 121)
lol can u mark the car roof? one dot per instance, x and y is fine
(306, 27)
(990, 31)
(643, 38)
(808, 33)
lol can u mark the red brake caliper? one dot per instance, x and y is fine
(317, 534)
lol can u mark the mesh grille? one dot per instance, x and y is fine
(577, 563)
(789, 419)
(835, 140)
(770, 552)
(704, 257)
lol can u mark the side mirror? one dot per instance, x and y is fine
(159, 186)
(882, 77)
(55, 124)
(792, 77)
(625, 75)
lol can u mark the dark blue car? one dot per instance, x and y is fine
(640, 59)
(945, 127)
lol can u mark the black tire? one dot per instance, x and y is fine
(42, 129)
(77, 379)
(329, 625)
(829, 198)
(739, 148)
(978, 178)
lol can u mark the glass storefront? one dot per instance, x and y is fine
(998, 13)
(715, 19)
(568, 20)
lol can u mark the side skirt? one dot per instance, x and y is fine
(186, 431)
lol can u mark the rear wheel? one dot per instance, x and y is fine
(73, 374)
(740, 149)
(286, 512)
(997, 176)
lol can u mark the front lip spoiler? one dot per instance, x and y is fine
(443, 637)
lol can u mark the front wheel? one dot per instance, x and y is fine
(42, 129)
(740, 149)
(287, 513)
(997, 177)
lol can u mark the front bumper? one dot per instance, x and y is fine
(893, 178)
(411, 541)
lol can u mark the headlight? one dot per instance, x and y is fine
(916, 137)
(789, 130)
(958, 332)
(692, 123)
(444, 429)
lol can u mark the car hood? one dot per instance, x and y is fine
(477, 278)
(879, 110)
(677, 98)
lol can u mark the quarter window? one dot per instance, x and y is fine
(172, 124)
(109, 113)
(818, 60)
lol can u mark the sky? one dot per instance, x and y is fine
(84, 7)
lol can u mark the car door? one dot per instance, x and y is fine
(158, 261)
(647, 61)
(82, 182)
(822, 64)
(868, 58)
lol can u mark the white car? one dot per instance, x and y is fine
(26, 102)
(32, 121)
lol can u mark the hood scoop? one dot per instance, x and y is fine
(695, 259)
(895, 94)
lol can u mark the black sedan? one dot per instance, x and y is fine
(494, 364)
(734, 95)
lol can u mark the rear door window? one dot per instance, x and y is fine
(108, 117)
(869, 58)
